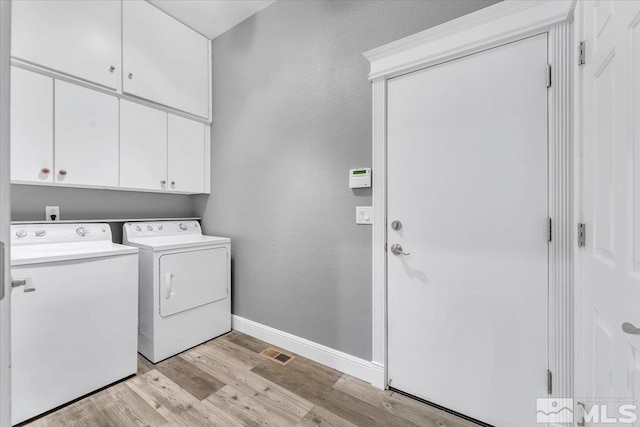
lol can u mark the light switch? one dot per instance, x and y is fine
(364, 215)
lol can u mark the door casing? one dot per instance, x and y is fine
(487, 28)
(5, 212)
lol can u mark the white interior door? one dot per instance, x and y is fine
(610, 365)
(86, 136)
(5, 214)
(143, 147)
(467, 179)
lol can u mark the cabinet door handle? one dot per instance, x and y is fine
(173, 183)
(45, 171)
(62, 172)
(130, 76)
(163, 182)
(112, 69)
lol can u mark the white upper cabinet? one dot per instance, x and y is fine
(78, 38)
(186, 155)
(86, 136)
(163, 60)
(31, 126)
(143, 147)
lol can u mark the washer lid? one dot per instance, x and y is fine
(161, 243)
(52, 252)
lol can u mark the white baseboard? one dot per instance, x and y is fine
(370, 372)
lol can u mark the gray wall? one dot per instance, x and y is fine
(291, 115)
(28, 202)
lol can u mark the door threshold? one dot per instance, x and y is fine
(442, 408)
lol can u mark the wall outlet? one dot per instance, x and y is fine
(52, 213)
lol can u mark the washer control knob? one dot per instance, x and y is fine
(149, 228)
(40, 233)
(81, 231)
(138, 228)
(161, 227)
(21, 233)
(183, 226)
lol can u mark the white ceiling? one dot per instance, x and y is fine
(211, 17)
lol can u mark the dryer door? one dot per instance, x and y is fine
(192, 279)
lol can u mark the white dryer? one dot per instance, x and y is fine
(74, 314)
(185, 286)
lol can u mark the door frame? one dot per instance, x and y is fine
(487, 28)
(5, 213)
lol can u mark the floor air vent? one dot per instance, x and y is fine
(277, 356)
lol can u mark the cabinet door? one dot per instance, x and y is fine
(31, 126)
(143, 147)
(186, 155)
(86, 136)
(79, 38)
(163, 60)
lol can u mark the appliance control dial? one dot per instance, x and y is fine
(21, 233)
(138, 228)
(81, 231)
(149, 228)
(183, 226)
(40, 233)
(161, 227)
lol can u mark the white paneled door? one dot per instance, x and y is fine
(467, 233)
(609, 338)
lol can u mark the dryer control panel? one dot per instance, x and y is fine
(161, 228)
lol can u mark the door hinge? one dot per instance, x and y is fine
(549, 230)
(582, 235)
(582, 53)
(549, 382)
(548, 75)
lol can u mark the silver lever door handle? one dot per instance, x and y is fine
(27, 283)
(396, 249)
(628, 328)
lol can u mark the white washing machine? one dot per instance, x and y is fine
(74, 314)
(185, 286)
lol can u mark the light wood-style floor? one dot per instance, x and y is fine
(226, 382)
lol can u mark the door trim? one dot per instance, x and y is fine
(487, 28)
(5, 212)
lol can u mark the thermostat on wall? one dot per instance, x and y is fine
(360, 178)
